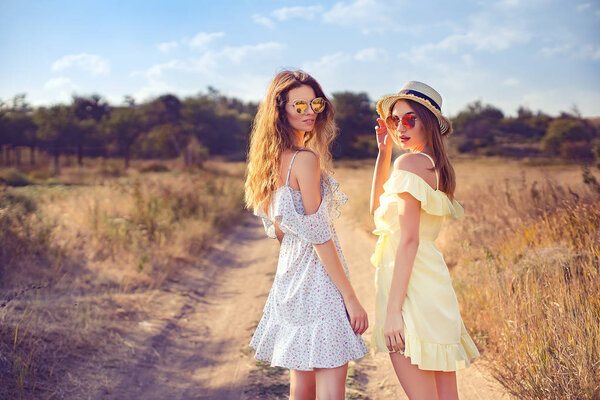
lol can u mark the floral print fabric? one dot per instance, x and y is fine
(305, 324)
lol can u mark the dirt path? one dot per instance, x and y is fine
(198, 348)
(191, 343)
(242, 282)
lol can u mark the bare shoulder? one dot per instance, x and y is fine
(415, 163)
(307, 163)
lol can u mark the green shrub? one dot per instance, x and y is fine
(155, 167)
(14, 177)
(566, 137)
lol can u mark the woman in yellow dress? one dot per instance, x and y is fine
(417, 315)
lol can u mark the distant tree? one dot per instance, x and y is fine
(90, 107)
(524, 113)
(165, 109)
(89, 111)
(124, 126)
(18, 128)
(220, 124)
(56, 127)
(3, 132)
(477, 126)
(570, 138)
(355, 119)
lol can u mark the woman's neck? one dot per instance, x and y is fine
(299, 138)
(422, 149)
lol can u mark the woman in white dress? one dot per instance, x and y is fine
(312, 319)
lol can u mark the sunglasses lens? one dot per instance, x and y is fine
(392, 122)
(300, 106)
(318, 104)
(409, 121)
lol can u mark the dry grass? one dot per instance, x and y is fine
(87, 250)
(526, 263)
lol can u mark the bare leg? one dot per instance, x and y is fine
(446, 385)
(417, 383)
(302, 385)
(331, 382)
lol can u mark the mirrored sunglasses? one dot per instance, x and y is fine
(408, 121)
(317, 105)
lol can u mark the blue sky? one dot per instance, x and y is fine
(543, 54)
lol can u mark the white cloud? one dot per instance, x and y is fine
(511, 82)
(153, 89)
(202, 39)
(366, 15)
(167, 46)
(371, 54)
(327, 63)
(552, 51)
(237, 54)
(286, 13)
(509, 3)
(482, 34)
(590, 52)
(155, 72)
(583, 7)
(212, 66)
(585, 51)
(60, 89)
(262, 20)
(91, 63)
(60, 83)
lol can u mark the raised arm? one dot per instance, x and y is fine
(381, 172)
(308, 175)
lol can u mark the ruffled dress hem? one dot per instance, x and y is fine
(286, 345)
(430, 356)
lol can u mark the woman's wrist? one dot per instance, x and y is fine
(349, 296)
(394, 306)
(385, 151)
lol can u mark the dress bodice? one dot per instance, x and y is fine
(435, 205)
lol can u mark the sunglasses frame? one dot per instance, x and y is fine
(309, 104)
(408, 121)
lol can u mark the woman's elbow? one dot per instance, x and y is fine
(409, 242)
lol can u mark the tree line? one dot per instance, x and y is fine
(213, 124)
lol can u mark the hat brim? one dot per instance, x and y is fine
(385, 103)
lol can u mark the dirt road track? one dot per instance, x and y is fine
(236, 282)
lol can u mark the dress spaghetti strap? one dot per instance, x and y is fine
(287, 180)
(437, 178)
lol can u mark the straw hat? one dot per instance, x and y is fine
(421, 93)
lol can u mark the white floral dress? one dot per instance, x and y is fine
(305, 324)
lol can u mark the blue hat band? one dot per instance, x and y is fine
(422, 96)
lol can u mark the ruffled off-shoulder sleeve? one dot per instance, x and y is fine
(434, 202)
(313, 228)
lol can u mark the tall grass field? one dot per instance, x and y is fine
(525, 262)
(85, 251)
(82, 252)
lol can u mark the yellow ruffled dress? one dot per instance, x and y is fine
(435, 336)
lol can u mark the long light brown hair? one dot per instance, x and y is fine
(432, 127)
(272, 135)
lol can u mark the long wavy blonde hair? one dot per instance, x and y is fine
(272, 135)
